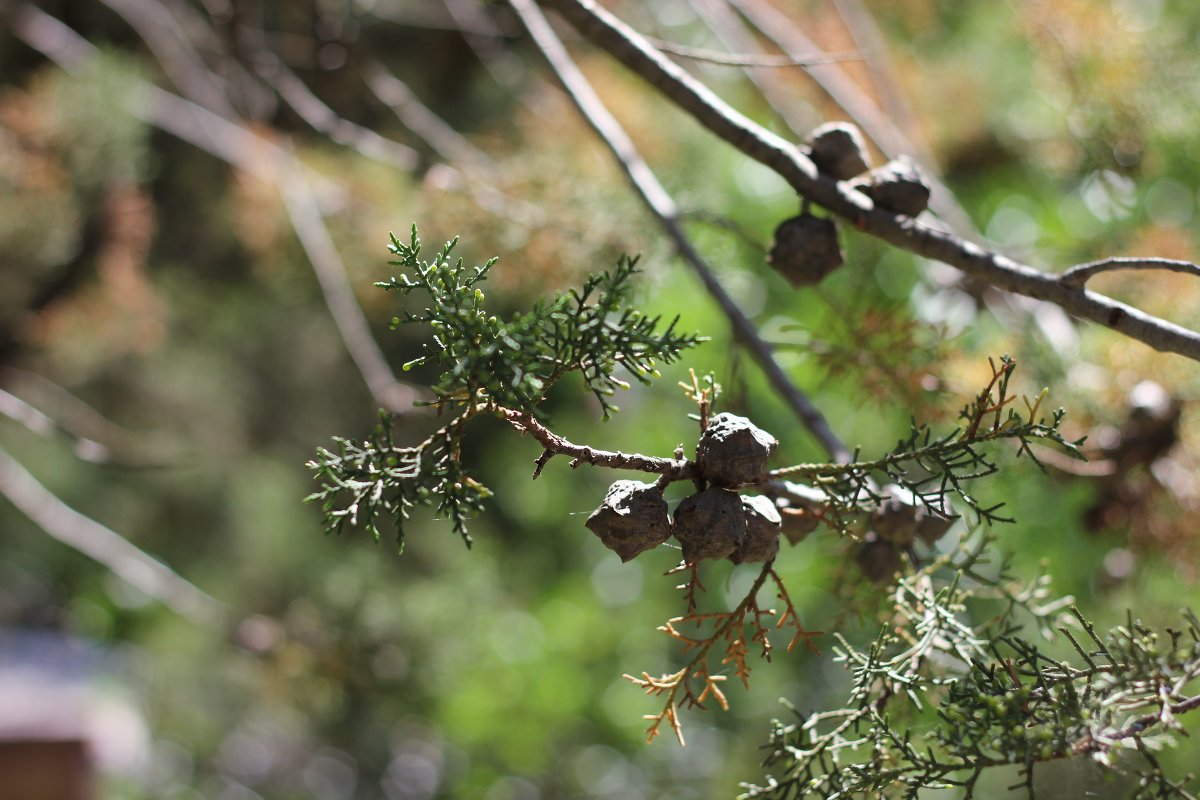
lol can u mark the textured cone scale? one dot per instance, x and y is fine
(761, 541)
(877, 559)
(710, 524)
(632, 519)
(931, 526)
(734, 451)
(895, 521)
(805, 249)
(838, 150)
(798, 523)
(897, 186)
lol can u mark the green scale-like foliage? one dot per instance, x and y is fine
(486, 365)
(511, 363)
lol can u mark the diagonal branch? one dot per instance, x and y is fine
(797, 169)
(44, 407)
(838, 87)
(325, 120)
(869, 40)
(347, 314)
(725, 25)
(132, 565)
(663, 207)
(266, 160)
(418, 118)
(749, 59)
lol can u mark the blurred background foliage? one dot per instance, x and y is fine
(157, 303)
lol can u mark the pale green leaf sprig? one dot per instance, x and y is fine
(487, 366)
(939, 697)
(513, 362)
(364, 481)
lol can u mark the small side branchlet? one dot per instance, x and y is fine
(487, 366)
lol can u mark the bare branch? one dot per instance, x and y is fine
(1077, 276)
(174, 51)
(318, 245)
(797, 169)
(671, 469)
(663, 207)
(416, 116)
(26, 414)
(838, 86)
(750, 59)
(132, 565)
(435, 16)
(96, 437)
(725, 24)
(264, 159)
(324, 119)
(869, 40)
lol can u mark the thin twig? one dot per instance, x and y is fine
(107, 547)
(418, 118)
(96, 437)
(797, 169)
(725, 24)
(1077, 276)
(264, 159)
(470, 169)
(664, 209)
(347, 314)
(776, 27)
(325, 120)
(174, 51)
(494, 53)
(750, 59)
(672, 469)
(870, 42)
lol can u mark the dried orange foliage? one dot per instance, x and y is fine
(736, 632)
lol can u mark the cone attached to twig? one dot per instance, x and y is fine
(805, 249)
(838, 150)
(632, 519)
(898, 186)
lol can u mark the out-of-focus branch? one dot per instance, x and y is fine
(339, 295)
(468, 168)
(749, 59)
(117, 554)
(43, 425)
(25, 414)
(174, 51)
(324, 119)
(93, 437)
(485, 36)
(870, 42)
(662, 206)
(729, 30)
(264, 159)
(833, 81)
(418, 118)
(787, 160)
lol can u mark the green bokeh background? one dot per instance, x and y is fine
(1066, 132)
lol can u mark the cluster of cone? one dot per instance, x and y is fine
(806, 247)
(716, 522)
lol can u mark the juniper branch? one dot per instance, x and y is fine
(671, 469)
(663, 207)
(794, 166)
